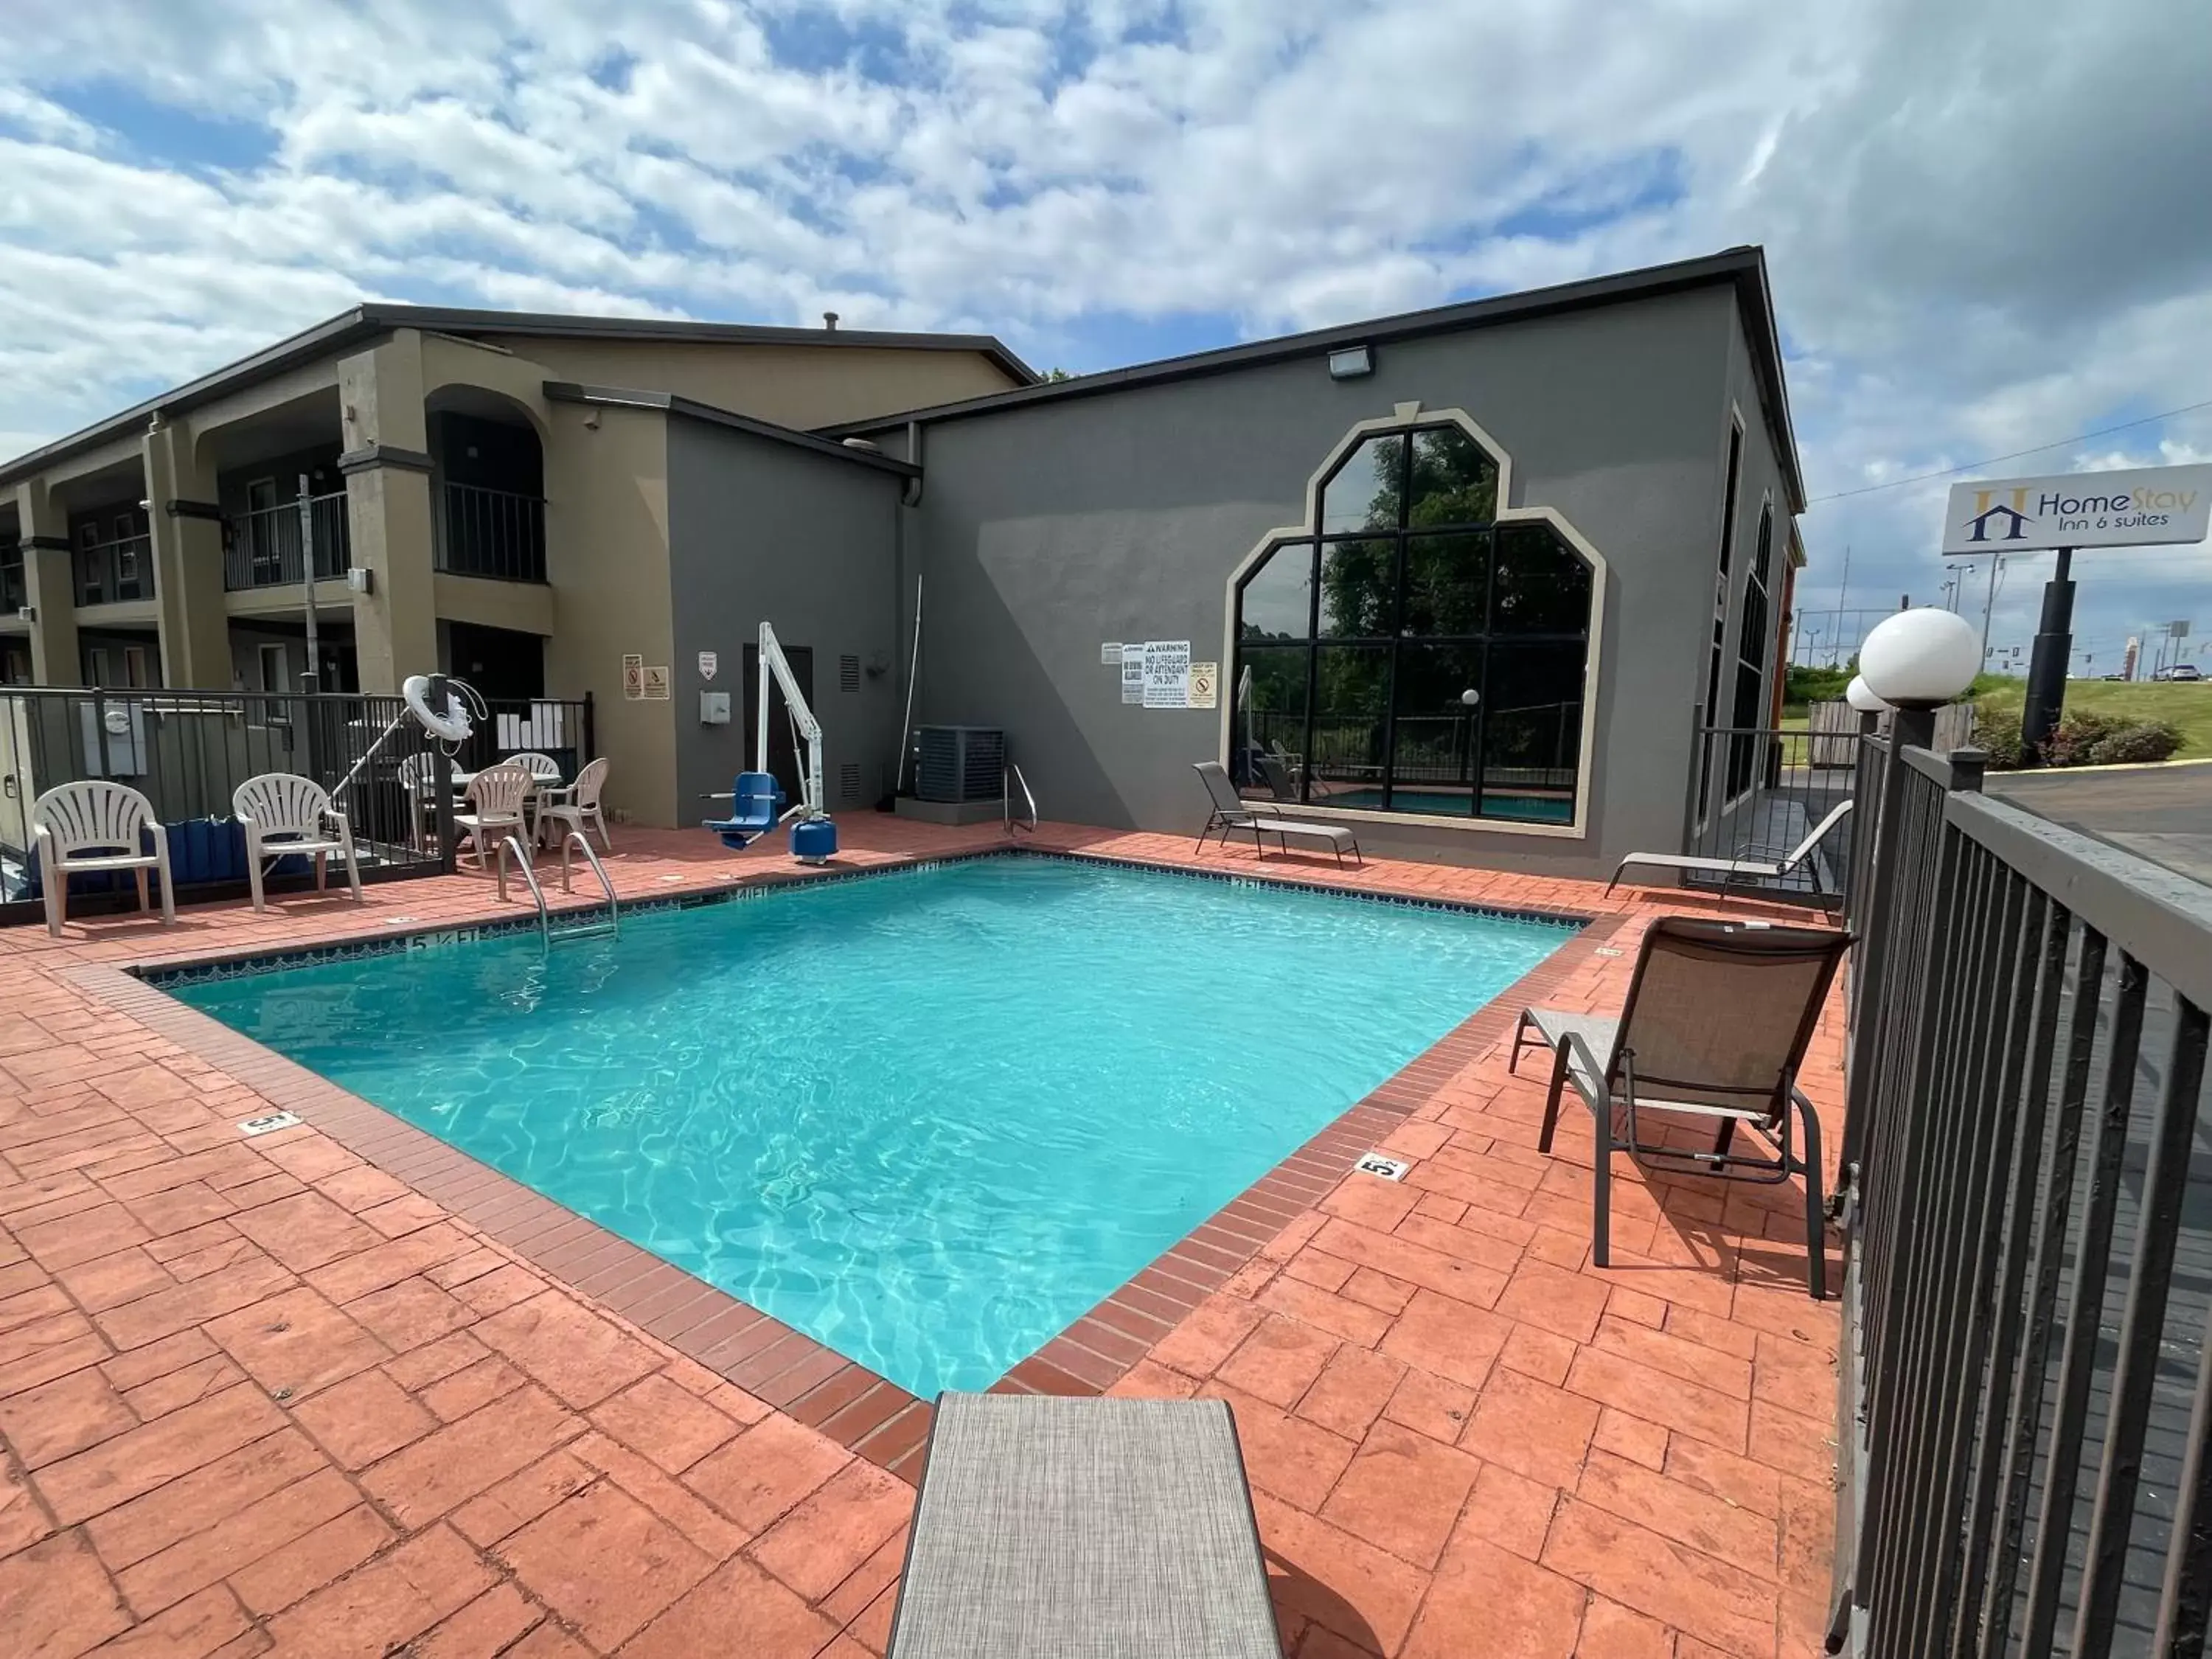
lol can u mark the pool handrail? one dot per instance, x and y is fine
(1009, 777)
(537, 893)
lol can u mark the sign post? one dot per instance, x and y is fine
(2148, 507)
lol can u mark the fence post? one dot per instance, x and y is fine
(441, 781)
(591, 733)
(1914, 728)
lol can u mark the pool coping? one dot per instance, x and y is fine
(867, 1413)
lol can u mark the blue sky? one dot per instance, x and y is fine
(1970, 256)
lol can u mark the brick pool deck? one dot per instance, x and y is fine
(339, 1390)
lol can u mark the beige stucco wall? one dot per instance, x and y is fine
(606, 560)
(792, 384)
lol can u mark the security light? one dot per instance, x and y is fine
(1351, 363)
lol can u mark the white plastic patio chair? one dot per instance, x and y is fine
(495, 798)
(545, 777)
(284, 813)
(578, 805)
(95, 824)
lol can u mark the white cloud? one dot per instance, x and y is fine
(1974, 249)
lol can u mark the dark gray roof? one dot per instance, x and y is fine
(1742, 268)
(609, 397)
(373, 319)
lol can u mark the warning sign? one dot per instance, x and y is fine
(1167, 673)
(634, 676)
(1204, 684)
(656, 684)
(1132, 674)
(710, 663)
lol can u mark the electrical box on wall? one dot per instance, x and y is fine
(714, 708)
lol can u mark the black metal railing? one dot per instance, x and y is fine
(262, 548)
(14, 593)
(499, 533)
(111, 572)
(1766, 789)
(2027, 1383)
(187, 752)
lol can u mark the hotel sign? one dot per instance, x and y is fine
(2159, 504)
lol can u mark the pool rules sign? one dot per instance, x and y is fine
(1167, 673)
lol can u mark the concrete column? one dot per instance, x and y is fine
(49, 586)
(386, 463)
(187, 532)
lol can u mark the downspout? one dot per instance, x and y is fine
(910, 497)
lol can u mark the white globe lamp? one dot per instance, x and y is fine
(1861, 697)
(1920, 659)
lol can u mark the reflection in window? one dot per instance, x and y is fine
(1444, 668)
(1368, 489)
(1279, 597)
(1269, 720)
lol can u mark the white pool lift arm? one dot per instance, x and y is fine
(772, 661)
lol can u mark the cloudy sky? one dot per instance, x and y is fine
(1986, 221)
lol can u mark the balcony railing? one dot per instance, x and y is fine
(13, 592)
(261, 548)
(111, 572)
(499, 533)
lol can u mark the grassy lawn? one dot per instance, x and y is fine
(2186, 707)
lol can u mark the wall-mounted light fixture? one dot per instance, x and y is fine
(1352, 362)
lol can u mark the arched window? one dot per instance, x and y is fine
(1412, 653)
(1751, 660)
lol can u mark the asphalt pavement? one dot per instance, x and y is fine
(2162, 813)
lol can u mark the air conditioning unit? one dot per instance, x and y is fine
(960, 763)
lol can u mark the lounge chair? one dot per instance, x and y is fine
(1101, 1527)
(1231, 811)
(1713, 1029)
(1731, 870)
(95, 825)
(283, 813)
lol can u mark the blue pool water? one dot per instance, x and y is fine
(1523, 809)
(929, 1118)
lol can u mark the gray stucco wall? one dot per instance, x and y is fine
(759, 530)
(1048, 530)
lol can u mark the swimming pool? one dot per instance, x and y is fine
(930, 1118)
(1444, 802)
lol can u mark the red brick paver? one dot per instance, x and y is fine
(340, 1390)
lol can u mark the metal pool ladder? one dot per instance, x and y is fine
(1007, 779)
(546, 931)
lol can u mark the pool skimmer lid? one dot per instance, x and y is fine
(1390, 1168)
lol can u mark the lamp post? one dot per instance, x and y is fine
(1913, 662)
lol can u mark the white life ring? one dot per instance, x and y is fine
(452, 726)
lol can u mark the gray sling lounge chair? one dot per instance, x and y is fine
(1101, 1528)
(1732, 871)
(1715, 1027)
(1231, 811)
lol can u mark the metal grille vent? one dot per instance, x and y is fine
(960, 763)
(848, 673)
(848, 780)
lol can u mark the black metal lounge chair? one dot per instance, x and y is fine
(1106, 1527)
(1231, 811)
(1734, 870)
(1716, 1025)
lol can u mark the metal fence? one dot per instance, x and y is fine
(1758, 793)
(2026, 1389)
(491, 533)
(187, 752)
(262, 548)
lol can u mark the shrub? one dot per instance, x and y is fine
(1996, 734)
(2134, 743)
(1804, 684)
(2079, 733)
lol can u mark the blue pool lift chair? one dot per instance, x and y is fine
(756, 803)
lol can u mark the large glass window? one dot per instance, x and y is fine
(1711, 712)
(1751, 660)
(1437, 663)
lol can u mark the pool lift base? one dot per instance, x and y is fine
(756, 795)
